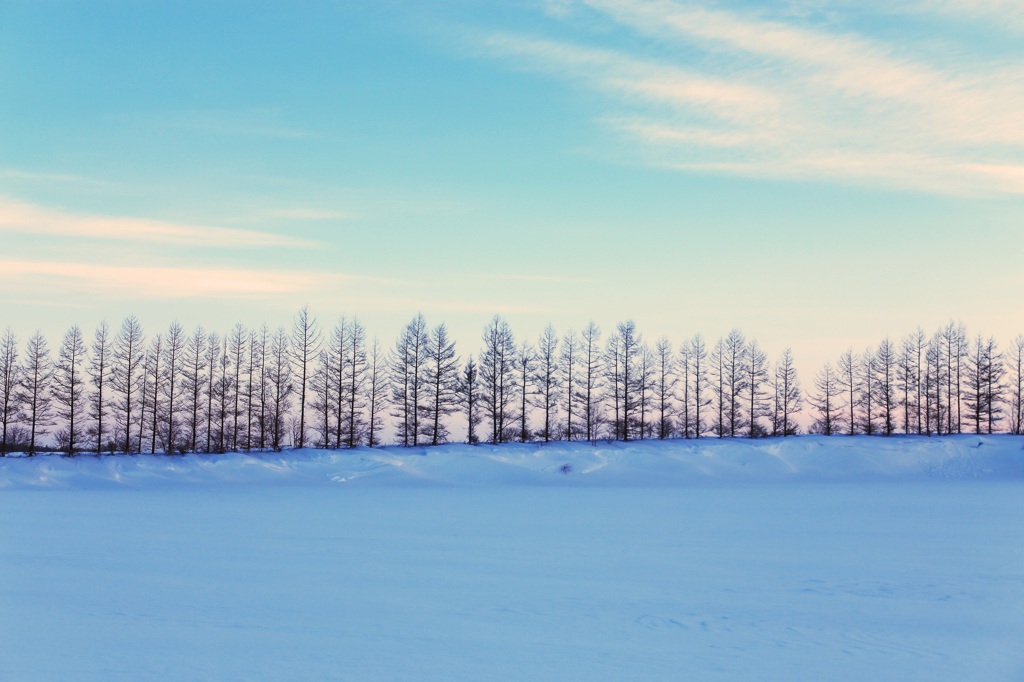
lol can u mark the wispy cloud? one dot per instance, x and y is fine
(747, 92)
(16, 216)
(148, 281)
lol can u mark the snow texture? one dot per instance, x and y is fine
(798, 559)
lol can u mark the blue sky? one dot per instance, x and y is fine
(819, 174)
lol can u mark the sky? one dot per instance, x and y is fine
(819, 174)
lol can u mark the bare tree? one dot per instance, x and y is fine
(321, 398)
(153, 385)
(441, 384)
(376, 400)
(306, 340)
(548, 380)
(885, 385)
(174, 349)
(686, 413)
(630, 347)
(408, 360)
(68, 388)
(255, 393)
(355, 375)
(238, 348)
(497, 377)
(193, 380)
(994, 386)
(755, 377)
(613, 380)
(590, 382)
(99, 373)
(906, 378)
(788, 391)
(10, 378)
(664, 386)
(568, 369)
(976, 397)
(280, 387)
(700, 368)
(128, 379)
(34, 393)
(214, 391)
(847, 376)
(719, 386)
(645, 386)
(524, 359)
(935, 380)
(470, 392)
(825, 400)
(1015, 363)
(224, 394)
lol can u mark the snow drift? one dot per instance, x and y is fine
(616, 464)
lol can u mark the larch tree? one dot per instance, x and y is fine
(755, 373)
(615, 386)
(646, 379)
(470, 392)
(193, 381)
(280, 387)
(826, 401)
(354, 364)
(321, 396)
(630, 342)
(788, 389)
(223, 396)
(735, 351)
(153, 386)
(128, 378)
(975, 397)
(337, 348)
(497, 377)
(68, 388)
(213, 391)
(525, 358)
(305, 344)
(866, 390)
(174, 350)
(994, 387)
(906, 379)
(34, 391)
(237, 346)
(588, 396)
(935, 383)
(1015, 377)
(847, 376)
(664, 386)
(408, 362)
(376, 394)
(100, 368)
(719, 386)
(568, 370)
(548, 381)
(886, 370)
(684, 364)
(700, 369)
(10, 378)
(441, 384)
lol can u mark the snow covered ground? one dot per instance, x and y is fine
(808, 558)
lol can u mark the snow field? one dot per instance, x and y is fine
(647, 561)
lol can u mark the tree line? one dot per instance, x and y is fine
(262, 389)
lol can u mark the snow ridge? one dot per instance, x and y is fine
(607, 464)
